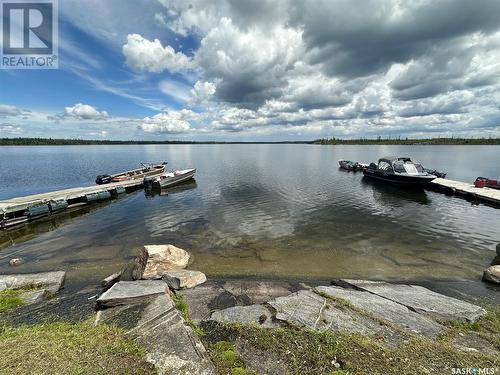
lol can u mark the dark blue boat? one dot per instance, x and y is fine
(399, 171)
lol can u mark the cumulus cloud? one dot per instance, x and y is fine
(84, 112)
(172, 122)
(202, 91)
(329, 66)
(145, 55)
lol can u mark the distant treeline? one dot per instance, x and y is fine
(408, 141)
(324, 141)
(64, 142)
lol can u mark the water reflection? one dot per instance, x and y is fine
(262, 210)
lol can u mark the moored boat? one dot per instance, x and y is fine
(399, 171)
(146, 170)
(352, 165)
(171, 178)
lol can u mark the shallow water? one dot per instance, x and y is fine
(258, 210)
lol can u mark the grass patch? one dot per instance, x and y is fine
(183, 309)
(312, 352)
(227, 360)
(64, 348)
(487, 327)
(10, 299)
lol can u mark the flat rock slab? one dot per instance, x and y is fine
(126, 292)
(214, 295)
(184, 279)
(385, 309)
(422, 300)
(170, 344)
(253, 314)
(310, 310)
(50, 281)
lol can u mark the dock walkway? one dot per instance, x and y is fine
(466, 189)
(13, 211)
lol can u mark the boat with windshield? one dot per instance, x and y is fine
(399, 171)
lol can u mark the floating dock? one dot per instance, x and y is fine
(466, 190)
(20, 210)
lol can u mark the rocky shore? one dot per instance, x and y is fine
(190, 325)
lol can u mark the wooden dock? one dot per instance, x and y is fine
(466, 190)
(13, 211)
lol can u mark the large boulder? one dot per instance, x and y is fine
(492, 274)
(155, 260)
(126, 292)
(184, 279)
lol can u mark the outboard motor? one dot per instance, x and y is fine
(103, 179)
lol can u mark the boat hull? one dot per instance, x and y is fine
(400, 180)
(175, 180)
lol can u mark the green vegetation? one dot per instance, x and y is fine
(66, 142)
(226, 360)
(64, 348)
(313, 352)
(10, 299)
(408, 141)
(183, 309)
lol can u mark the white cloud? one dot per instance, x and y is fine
(84, 112)
(202, 91)
(172, 122)
(7, 110)
(11, 129)
(175, 89)
(145, 55)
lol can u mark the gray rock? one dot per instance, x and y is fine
(258, 291)
(3, 286)
(109, 281)
(155, 260)
(385, 309)
(253, 314)
(16, 262)
(169, 343)
(310, 310)
(492, 274)
(184, 279)
(422, 300)
(32, 296)
(498, 249)
(125, 292)
(202, 300)
(50, 281)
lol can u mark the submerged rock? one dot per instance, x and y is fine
(16, 262)
(50, 281)
(422, 300)
(492, 274)
(184, 279)
(155, 260)
(126, 292)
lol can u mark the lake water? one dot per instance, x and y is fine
(258, 210)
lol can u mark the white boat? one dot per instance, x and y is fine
(171, 178)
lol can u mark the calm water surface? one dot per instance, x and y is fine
(258, 210)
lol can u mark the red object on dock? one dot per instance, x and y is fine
(480, 182)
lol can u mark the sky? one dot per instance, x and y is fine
(263, 70)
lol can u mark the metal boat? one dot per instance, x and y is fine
(399, 171)
(171, 178)
(146, 170)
